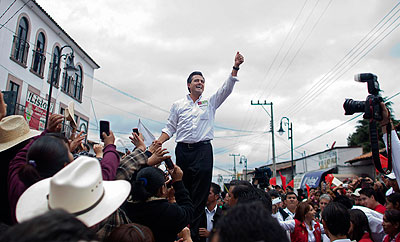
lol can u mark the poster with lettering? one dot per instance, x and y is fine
(35, 111)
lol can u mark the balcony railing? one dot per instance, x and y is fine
(38, 62)
(19, 51)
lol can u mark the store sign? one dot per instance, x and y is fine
(35, 111)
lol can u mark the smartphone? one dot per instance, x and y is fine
(136, 130)
(276, 200)
(104, 127)
(169, 164)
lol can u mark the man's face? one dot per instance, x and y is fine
(367, 201)
(357, 201)
(196, 87)
(323, 203)
(291, 201)
(211, 197)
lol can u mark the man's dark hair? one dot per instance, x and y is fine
(215, 188)
(344, 200)
(395, 199)
(336, 218)
(239, 182)
(393, 216)
(248, 194)
(249, 222)
(56, 225)
(369, 192)
(189, 80)
(290, 193)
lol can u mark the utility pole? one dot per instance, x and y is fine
(272, 131)
(234, 164)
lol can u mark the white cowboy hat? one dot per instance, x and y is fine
(391, 176)
(79, 189)
(13, 130)
(70, 113)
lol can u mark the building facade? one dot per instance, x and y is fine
(31, 44)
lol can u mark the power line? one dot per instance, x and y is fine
(2, 25)
(7, 9)
(304, 98)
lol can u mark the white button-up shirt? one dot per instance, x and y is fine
(194, 121)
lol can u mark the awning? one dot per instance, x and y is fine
(313, 178)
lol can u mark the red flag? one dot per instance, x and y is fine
(291, 184)
(272, 181)
(384, 163)
(283, 179)
(308, 190)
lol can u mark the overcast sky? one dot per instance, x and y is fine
(291, 48)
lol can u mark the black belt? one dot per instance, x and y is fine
(194, 145)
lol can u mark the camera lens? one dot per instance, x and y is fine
(350, 106)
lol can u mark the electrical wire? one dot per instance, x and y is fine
(2, 25)
(7, 9)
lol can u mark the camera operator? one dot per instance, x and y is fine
(394, 139)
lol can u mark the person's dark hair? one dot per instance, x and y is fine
(360, 224)
(395, 199)
(393, 216)
(46, 156)
(249, 222)
(147, 184)
(344, 200)
(369, 192)
(301, 210)
(239, 182)
(289, 188)
(274, 193)
(56, 226)
(215, 188)
(131, 232)
(336, 218)
(290, 193)
(248, 194)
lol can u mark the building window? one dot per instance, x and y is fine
(20, 43)
(54, 70)
(39, 56)
(66, 80)
(77, 85)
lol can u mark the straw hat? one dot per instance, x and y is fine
(79, 189)
(70, 113)
(13, 130)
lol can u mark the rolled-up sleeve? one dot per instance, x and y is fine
(170, 127)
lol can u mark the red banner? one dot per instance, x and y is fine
(35, 111)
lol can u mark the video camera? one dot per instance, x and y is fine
(262, 176)
(372, 111)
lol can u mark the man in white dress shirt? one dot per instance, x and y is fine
(192, 119)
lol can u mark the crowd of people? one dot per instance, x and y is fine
(57, 190)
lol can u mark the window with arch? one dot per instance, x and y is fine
(77, 86)
(39, 56)
(20, 48)
(54, 70)
(67, 80)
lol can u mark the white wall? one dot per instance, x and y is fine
(8, 66)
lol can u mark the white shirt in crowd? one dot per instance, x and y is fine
(210, 218)
(289, 225)
(194, 121)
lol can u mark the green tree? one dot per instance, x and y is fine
(361, 136)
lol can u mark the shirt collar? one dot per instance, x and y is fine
(190, 99)
(212, 211)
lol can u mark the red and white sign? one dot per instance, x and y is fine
(35, 111)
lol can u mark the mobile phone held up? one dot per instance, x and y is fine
(169, 164)
(104, 127)
(136, 130)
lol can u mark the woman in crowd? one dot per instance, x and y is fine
(148, 205)
(391, 225)
(48, 153)
(303, 228)
(359, 227)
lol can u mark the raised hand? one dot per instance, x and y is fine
(137, 141)
(54, 124)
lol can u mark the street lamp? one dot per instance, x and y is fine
(243, 159)
(290, 136)
(69, 68)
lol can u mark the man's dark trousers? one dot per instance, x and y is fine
(196, 162)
